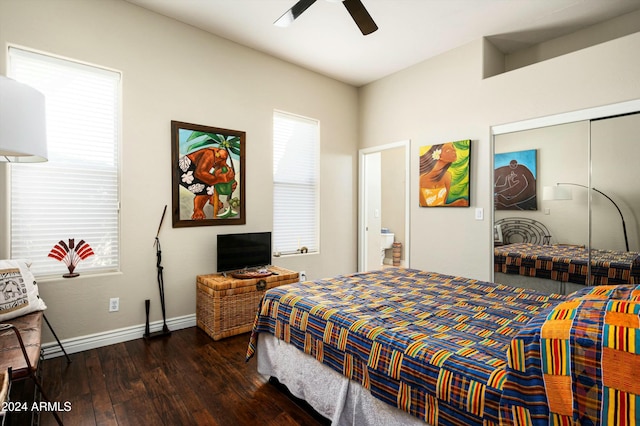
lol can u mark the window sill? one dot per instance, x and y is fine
(283, 255)
(54, 278)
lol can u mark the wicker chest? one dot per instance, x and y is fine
(227, 306)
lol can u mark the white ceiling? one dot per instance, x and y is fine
(325, 38)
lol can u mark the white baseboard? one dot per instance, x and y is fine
(92, 341)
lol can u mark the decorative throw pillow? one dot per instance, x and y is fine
(18, 290)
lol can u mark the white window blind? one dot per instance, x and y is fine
(76, 193)
(296, 146)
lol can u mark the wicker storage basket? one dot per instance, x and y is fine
(226, 306)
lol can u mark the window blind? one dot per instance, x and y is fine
(296, 146)
(76, 193)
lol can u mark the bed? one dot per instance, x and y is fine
(405, 345)
(525, 257)
(568, 263)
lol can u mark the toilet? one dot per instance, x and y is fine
(387, 239)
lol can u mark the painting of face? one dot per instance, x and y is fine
(444, 174)
(514, 186)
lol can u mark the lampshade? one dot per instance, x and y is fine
(23, 135)
(556, 192)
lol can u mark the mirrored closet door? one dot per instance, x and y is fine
(567, 202)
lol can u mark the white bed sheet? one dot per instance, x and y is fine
(330, 393)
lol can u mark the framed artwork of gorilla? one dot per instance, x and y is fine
(207, 175)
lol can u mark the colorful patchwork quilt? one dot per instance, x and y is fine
(432, 345)
(578, 364)
(568, 263)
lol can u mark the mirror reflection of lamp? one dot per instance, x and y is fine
(557, 192)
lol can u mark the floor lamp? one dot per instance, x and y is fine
(23, 132)
(558, 193)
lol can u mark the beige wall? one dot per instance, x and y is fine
(562, 156)
(617, 27)
(172, 71)
(175, 72)
(446, 99)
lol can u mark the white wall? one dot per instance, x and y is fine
(446, 99)
(172, 71)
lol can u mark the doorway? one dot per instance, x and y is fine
(383, 201)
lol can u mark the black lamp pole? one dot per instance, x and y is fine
(624, 226)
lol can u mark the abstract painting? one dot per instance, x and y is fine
(514, 186)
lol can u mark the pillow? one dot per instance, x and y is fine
(18, 290)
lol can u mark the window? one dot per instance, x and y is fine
(296, 144)
(76, 193)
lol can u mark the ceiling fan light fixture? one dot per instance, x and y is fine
(290, 15)
(355, 8)
(284, 21)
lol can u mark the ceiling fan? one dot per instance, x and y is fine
(355, 8)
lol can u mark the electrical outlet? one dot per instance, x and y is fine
(114, 304)
(302, 275)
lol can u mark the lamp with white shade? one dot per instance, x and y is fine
(23, 134)
(558, 192)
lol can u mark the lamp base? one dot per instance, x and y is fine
(71, 275)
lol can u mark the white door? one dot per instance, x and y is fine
(373, 204)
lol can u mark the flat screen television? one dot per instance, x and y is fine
(240, 251)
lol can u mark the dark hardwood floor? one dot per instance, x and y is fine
(184, 379)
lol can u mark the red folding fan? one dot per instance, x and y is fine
(71, 254)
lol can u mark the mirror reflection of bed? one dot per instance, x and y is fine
(584, 235)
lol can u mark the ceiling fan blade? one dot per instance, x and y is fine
(359, 13)
(291, 14)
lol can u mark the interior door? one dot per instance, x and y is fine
(373, 206)
(384, 174)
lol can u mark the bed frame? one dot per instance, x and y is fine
(521, 230)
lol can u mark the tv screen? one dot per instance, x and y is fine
(239, 251)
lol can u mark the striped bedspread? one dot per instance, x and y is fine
(579, 364)
(432, 345)
(568, 263)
